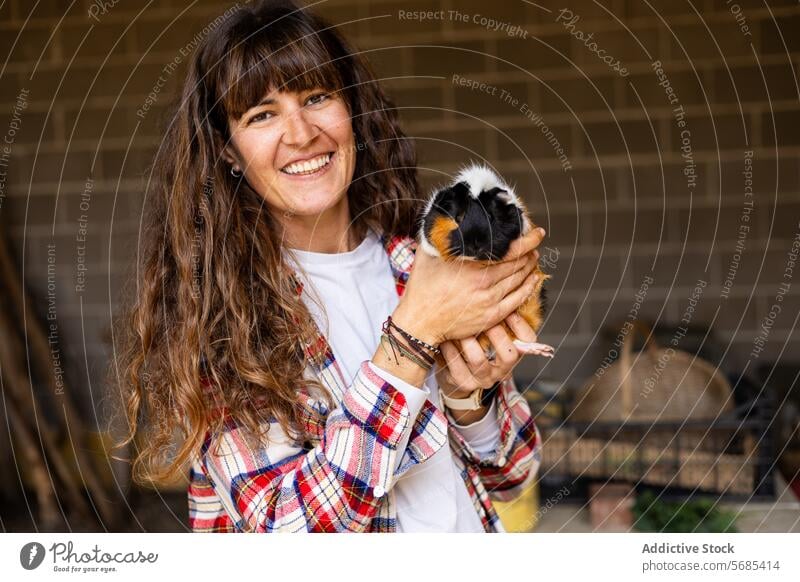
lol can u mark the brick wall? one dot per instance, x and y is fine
(620, 201)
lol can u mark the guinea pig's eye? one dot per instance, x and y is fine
(459, 216)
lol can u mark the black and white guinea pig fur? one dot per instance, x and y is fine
(477, 217)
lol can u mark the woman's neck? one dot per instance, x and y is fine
(332, 232)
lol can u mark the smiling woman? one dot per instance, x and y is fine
(282, 204)
(298, 149)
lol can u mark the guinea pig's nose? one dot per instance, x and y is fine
(471, 247)
(477, 249)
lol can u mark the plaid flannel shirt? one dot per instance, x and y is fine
(342, 480)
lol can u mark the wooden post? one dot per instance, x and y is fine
(42, 483)
(16, 386)
(18, 300)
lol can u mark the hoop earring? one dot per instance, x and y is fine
(234, 174)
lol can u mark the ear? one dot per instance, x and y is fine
(505, 197)
(230, 156)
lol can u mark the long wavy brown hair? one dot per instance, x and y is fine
(211, 303)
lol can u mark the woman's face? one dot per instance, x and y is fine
(297, 150)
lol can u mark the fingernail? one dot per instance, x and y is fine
(543, 231)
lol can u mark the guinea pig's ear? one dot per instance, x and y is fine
(444, 197)
(497, 196)
(509, 197)
(506, 197)
(446, 200)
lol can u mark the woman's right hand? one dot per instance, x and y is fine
(446, 300)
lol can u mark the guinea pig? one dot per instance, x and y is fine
(477, 217)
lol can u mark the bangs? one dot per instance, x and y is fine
(287, 55)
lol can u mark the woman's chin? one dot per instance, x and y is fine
(315, 199)
(315, 207)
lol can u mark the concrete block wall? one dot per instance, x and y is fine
(570, 102)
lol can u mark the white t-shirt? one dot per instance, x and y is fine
(357, 290)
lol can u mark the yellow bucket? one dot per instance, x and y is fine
(521, 514)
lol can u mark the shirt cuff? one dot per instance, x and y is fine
(415, 397)
(483, 435)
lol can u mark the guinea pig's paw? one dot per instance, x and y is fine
(534, 348)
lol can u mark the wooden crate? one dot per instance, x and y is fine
(564, 452)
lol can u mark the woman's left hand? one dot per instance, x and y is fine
(468, 368)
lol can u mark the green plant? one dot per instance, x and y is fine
(694, 515)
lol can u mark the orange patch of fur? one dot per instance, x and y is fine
(440, 235)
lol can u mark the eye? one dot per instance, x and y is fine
(258, 116)
(325, 97)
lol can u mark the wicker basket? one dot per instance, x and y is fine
(658, 384)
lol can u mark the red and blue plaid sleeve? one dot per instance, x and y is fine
(508, 471)
(335, 486)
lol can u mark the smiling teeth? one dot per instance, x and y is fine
(309, 166)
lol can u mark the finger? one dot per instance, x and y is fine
(525, 244)
(474, 356)
(507, 268)
(507, 354)
(521, 328)
(449, 352)
(501, 270)
(527, 341)
(457, 367)
(507, 285)
(517, 297)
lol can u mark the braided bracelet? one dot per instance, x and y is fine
(404, 353)
(388, 324)
(420, 351)
(426, 362)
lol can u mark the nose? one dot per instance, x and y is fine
(475, 248)
(298, 130)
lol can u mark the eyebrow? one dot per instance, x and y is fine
(271, 101)
(265, 101)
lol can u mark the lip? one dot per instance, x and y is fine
(318, 174)
(333, 155)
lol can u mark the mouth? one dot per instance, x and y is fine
(310, 169)
(480, 256)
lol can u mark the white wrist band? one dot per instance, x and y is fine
(471, 402)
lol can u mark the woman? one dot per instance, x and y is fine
(283, 205)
